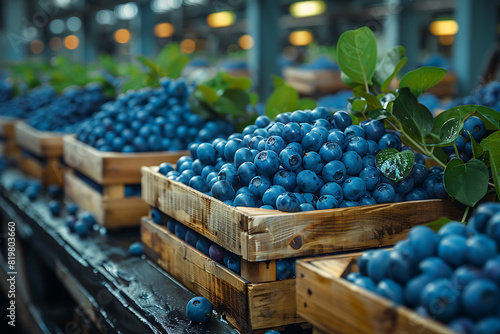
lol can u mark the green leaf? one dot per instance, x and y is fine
(412, 114)
(490, 141)
(357, 55)
(437, 224)
(389, 66)
(254, 99)
(148, 63)
(372, 101)
(278, 82)
(241, 83)
(379, 114)
(306, 103)
(209, 94)
(421, 79)
(357, 105)
(477, 150)
(393, 164)
(171, 61)
(345, 79)
(283, 99)
(232, 102)
(495, 166)
(448, 133)
(466, 182)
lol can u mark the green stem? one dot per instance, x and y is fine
(456, 150)
(465, 215)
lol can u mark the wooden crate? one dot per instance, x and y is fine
(334, 305)
(111, 208)
(112, 171)
(7, 135)
(310, 82)
(44, 152)
(246, 305)
(261, 235)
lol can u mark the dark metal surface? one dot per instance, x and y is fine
(119, 292)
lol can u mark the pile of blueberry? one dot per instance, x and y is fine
(285, 268)
(24, 105)
(150, 119)
(452, 276)
(488, 95)
(65, 112)
(30, 188)
(476, 127)
(305, 160)
(6, 91)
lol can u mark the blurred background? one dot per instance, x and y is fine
(258, 37)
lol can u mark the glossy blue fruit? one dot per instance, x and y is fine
(402, 266)
(191, 238)
(475, 126)
(353, 163)
(441, 299)
(435, 267)
(419, 173)
(223, 190)
(157, 216)
(287, 202)
(135, 249)
(371, 177)
(246, 200)
(312, 141)
(203, 245)
(81, 228)
(70, 222)
(377, 265)
(416, 194)
(334, 171)
(383, 193)
(374, 130)
(414, 287)
(199, 309)
(479, 220)
(259, 185)
(313, 161)
(354, 188)
(327, 202)
(309, 182)
(283, 270)
(481, 298)
(480, 248)
(267, 162)
(181, 230)
(342, 120)
(453, 249)
(389, 140)
(367, 200)
(55, 208)
(391, 290)
(337, 136)
(485, 326)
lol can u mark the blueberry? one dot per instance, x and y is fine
(199, 309)
(322, 131)
(389, 140)
(292, 132)
(70, 223)
(191, 238)
(363, 261)
(283, 118)
(441, 299)
(267, 162)
(267, 207)
(492, 269)
(419, 173)
(367, 200)
(373, 148)
(366, 283)
(216, 253)
(246, 172)
(348, 204)
(391, 290)
(414, 287)
(198, 183)
(310, 198)
(453, 249)
(245, 199)
(342, 120)
(352, 162)
(306, 207)
(180, 231)
(313, 161)
(135, 249)
(55, 208)
(223, 190)
(203, 245)
(383, 193)
(371, 176)
(286, 179)
(475, 126)
(297, 147)
(492, 226)
(229, 174)
(234, 263)
(321, 113)
(88, 218)
(405, 185)
(453, 227)
(290, 159)
(309, 182)
(157, 216)
(435, 267)
(334, 171)
(259, 185)
(485, 326)
(354, 188)
(230, 149)
(330, 151)
(358, 145)
(312, 141)
(271, 194)
(482, 219)
(81, 228)
(423, 241)
(338, 137)
(287, 202)
(402, 265)
(481, 298)
(327, 202)
(377, 265)
(276, 129)
(262, 121)
(334, 189)
(374, 130)
(480, 248)
(465, 274)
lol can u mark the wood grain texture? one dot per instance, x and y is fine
(334, 305)
(246, 305)
(112, 167)
(50, 172)
(40, 143)
(110, 212)
(7, 127)
(259, 235)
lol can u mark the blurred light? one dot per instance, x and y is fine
(307, 8)
(246, 42)
(63, 3)
(71, 42)
(301, 37)
(122, 36)
(232, 48)
(221, 19)
(446, 40)
(163, 30)
(55, 43)
(444, 27)
(127, 11)
(161, 6)
(36, 46)
(74, 23)
(29, 33)
(105, 16)
(56, 26)
(188, 46)
(195, 2)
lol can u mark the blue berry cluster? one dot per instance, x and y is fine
(472, 126)
(303, 161)
(150, 119)
(452, 276)
(488, 95)
(24, 105)
(6, 91)
(30, 188)
(65, 112)
(321, 63)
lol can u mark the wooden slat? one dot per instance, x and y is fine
(111, 213)
(334, 305)
(256, 272)
(40, 143)
(31, 167)
(7, 127)
(203, 276)
(269, 235)
(112, 167)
